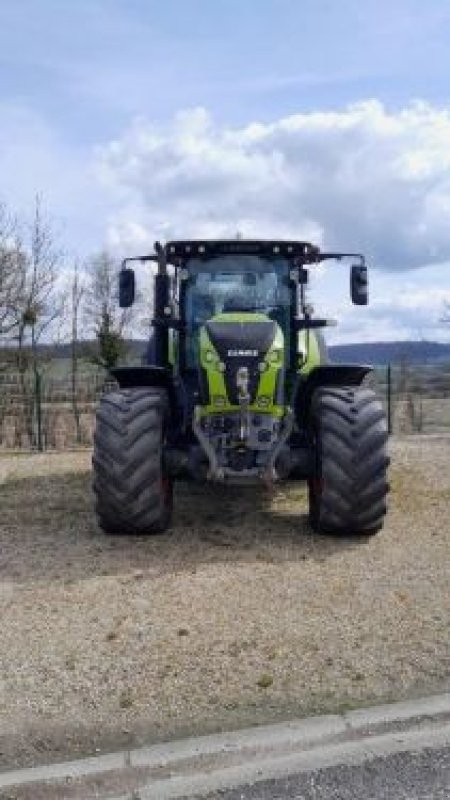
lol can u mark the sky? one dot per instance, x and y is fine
(309, 119)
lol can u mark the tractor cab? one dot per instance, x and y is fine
(237, 311)
(230, 286)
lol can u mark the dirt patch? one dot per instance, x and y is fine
(239, 614)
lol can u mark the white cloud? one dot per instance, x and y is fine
(362, 178)
(402, 306)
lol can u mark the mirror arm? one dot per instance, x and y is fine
(307, 323)
(141, 259)
(340, 256)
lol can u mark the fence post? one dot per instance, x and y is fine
(389, 397)
(38, 389)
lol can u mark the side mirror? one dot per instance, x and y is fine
(359, 285)
(127, 288)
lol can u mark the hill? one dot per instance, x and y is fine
(382, 353)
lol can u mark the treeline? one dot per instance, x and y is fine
(48, 299)
(44, 297)
(414, 353)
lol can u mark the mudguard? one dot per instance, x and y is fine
(134, 377)
(324, 375)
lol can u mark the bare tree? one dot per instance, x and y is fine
(76, 296)
(11, 273)
(106, 320)
(39, 305)
(42, 302)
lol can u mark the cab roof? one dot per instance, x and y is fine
(208, 248)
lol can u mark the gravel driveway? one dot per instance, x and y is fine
(239, 614)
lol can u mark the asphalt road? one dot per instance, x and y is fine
(405, 776)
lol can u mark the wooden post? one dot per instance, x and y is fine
(389, 397)
(38, 390)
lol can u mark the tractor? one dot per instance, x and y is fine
(237, 388)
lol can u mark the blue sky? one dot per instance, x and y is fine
(87, 67)
(91, 86)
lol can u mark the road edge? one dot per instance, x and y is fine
(261, 752)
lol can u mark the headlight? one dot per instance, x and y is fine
(275, 356)
(209, 356)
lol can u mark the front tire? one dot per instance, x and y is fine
(348, 489)
(132, 488)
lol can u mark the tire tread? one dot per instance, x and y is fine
(351, 431)
(127, 462)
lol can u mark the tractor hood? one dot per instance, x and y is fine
(241, 338)
(233, 342)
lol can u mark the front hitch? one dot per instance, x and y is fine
(268, 473)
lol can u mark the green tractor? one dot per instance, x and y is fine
(237, 389)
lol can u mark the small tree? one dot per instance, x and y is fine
(106, 320)
(39, 302)
(38, 305)
(11, 273)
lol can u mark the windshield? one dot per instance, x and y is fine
(235, 284)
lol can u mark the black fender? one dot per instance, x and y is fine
(139, 377)
(147, 377)
(324, 375)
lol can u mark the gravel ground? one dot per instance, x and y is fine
(239, 614)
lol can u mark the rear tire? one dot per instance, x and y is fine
(347, 493)
(132, 488)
